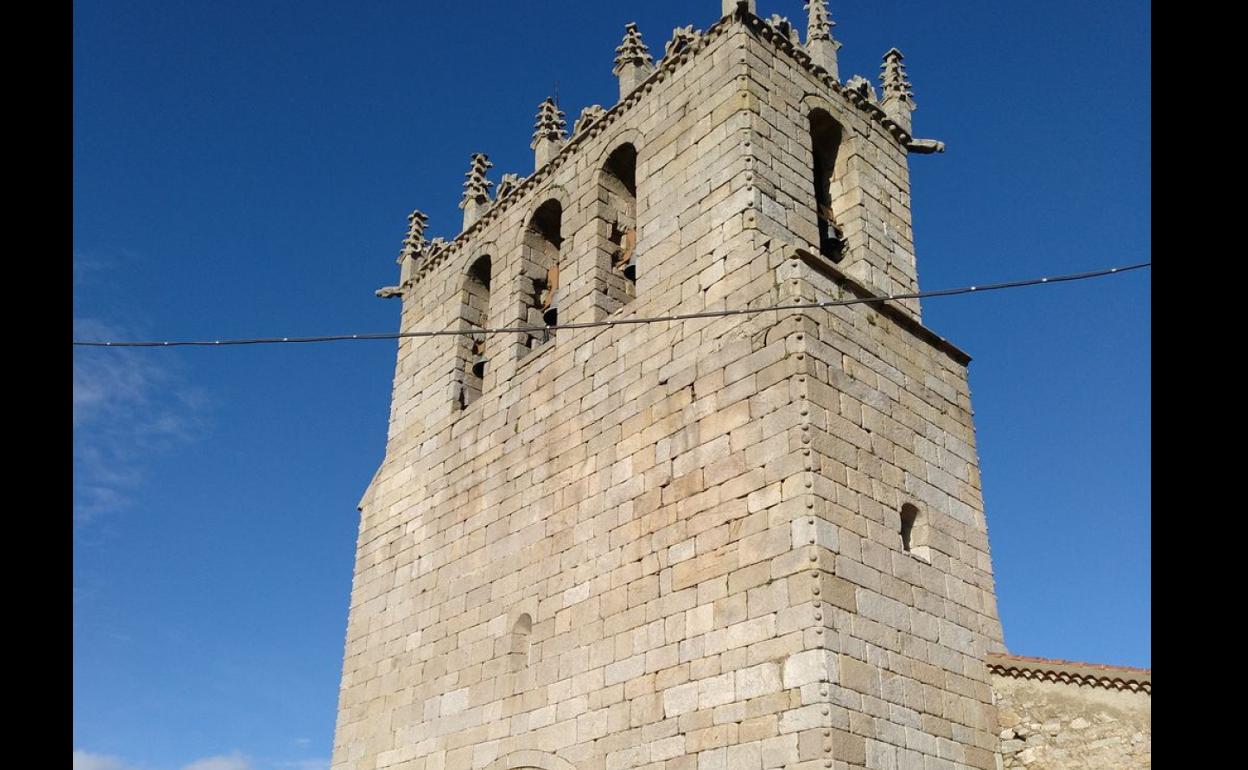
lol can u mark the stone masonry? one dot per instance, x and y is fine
(1056, 715)
(730, 543)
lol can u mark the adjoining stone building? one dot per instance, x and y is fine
(737, 541)
(1059, 715)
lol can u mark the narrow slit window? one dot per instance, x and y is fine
(915, 532)
(519, 642)
(908, 516)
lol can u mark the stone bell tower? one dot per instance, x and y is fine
(724, 543)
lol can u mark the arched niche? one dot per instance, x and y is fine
(616, 263)
(541, 248)
(472, 350)
(530, 760)
(830, 162)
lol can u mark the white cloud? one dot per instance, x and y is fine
(85, 760)
(128, 406)
(114, 383)
(84, 266)
(232, 762)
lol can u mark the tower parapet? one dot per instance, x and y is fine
(550, 141)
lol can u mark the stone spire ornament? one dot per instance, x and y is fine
(682, 38)
(548, 133)
(785, 28)
(506, 185)
(414, 241)
(820, 44)
(633, 62)
(898, 97)
(863, 86)
(730, 6)
(413, 248)
(476, 189)
(588, 116)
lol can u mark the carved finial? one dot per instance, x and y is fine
(898, 94)
(587, 116)
(820, 44)
(413, 248)
(783, 26)
(632, 51)
(548, 133)
(476, 186)
(682, 38)
(416, 222)
(508, 183)
(633, 62)
(730, 6)
(476, 189)
(414, 241)
(893, 76)
(819, 22)
(862, 86)
(551, 122)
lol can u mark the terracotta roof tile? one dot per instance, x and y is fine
(1071, 672)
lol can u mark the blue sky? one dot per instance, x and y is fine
(245, 169)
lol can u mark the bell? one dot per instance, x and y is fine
(630, 270)
(551, 314)
(478, 361)
(628, 250)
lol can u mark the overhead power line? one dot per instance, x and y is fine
(619, 321)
